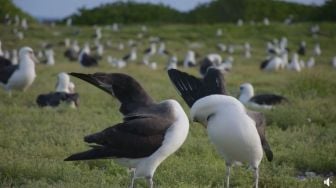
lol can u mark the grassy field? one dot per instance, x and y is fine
(34, 141)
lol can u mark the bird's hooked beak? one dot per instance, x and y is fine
(32, 56)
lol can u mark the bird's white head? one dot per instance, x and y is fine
(63, 81)
(246, 92)
(206, 107)
(27, 53)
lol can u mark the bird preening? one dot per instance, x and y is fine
(238, 134)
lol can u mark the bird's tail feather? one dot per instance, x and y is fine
(268, 151)
(95, 153)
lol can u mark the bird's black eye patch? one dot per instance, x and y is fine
(210, 116)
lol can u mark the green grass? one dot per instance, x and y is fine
(302, 133)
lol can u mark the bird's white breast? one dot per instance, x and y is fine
(235, 136)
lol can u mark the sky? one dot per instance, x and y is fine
(57, 9)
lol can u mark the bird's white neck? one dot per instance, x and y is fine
(26, 63)
(246, 95)
(175, 136)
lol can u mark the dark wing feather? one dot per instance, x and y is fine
(214, 82)
(188, 86)
(6, 72)
(260, 120)
(191, 88)
(268, 99)
(125, 88)
(4, 62)
(53, 99)
(126, 57)
(264, 64)
(88, 61)
(205, 64)
(132, 139)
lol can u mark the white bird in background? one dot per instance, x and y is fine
(24, 24)
(21, 76)
(240, 22)
(272, 63)
(219, 32)
(247, 48)
(153, 65)
(49, 53)
(121, 46)
(266, 101)
(333, 62)
(221, 47)
(65, 93)
(69, 22)
(98, 33)
(115, 27)
(132, 56)
(231, 49)
(67, 42)
(1, 52)
(172, 63)
(215, 58)
(317, 50)
(302, 63)
(311, 62)
(190, 59)
(15, 59)
(294, 64)
(266, 21)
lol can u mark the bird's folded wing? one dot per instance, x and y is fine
(6, 72)
(131, 139)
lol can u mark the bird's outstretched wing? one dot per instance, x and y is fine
(192, 88)
(125, 88)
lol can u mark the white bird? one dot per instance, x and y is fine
(24, 24)
(132, 56)
(64, 93)
(240, 22)
(231, 49)
(172, 63)
(266, 21)
(115, 27)
(221, 47)
(317, 50)
(15, 59)
(49, 53)
(1, 52)
(294, 64)
(247, 48)
(219, 32)
(190, 59)
(311, 62)
(215, 58)
(237, 134)
(153, 66)
(98, 33)
(334, 62)
(69, 22)
(267, 101)
(21, 76)
(150, 131)
(272, 63)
